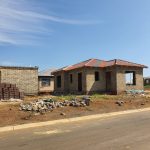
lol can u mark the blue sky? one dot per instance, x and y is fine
(56, 33)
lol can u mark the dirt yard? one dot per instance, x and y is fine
(11, 115)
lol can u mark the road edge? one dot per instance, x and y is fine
(83, 118)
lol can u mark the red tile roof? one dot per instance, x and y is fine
(101, 64)
(119, 62)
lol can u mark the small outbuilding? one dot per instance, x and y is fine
(25, 78)
(97, 76)
(46, 81)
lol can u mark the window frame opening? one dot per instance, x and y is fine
(45, 82)
(130, 78)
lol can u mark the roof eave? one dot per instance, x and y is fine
(145, 67)
(57, 71)
(45, 75)
(142, 66)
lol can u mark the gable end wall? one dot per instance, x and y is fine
(25, 79)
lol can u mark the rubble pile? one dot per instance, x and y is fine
(50, 104)
(120, 103)
(133, 92)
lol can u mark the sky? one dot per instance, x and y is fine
(57, 33)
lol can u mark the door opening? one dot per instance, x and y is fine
(108, 81)
(80, 82)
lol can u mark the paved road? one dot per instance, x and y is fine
(125, 132)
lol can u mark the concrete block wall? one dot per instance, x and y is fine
(25, 79)
(92, 85)
(73, 87)
(66, 85)
(121, 79)
(113, 78)
(62, 88)
(89, 85)
(46, 88)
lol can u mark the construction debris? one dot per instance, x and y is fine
(133, 92)
(143, 103)
(87, 100)
(43, 106)
(9, 91)
(62, 114)
(120, 103)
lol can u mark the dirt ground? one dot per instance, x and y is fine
(11, 115)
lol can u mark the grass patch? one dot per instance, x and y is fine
(100, 96)
(147, 86)
(93, 96)
(64, 97)
(70, 97)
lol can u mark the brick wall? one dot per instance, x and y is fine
(25, 79)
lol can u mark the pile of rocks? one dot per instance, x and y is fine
(120, 103)
(134, 92)
(50, 104)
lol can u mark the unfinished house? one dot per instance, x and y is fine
(97, 76)
(25, 78)
(146, 81)
(46, 81)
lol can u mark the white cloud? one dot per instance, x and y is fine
(20, 22)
